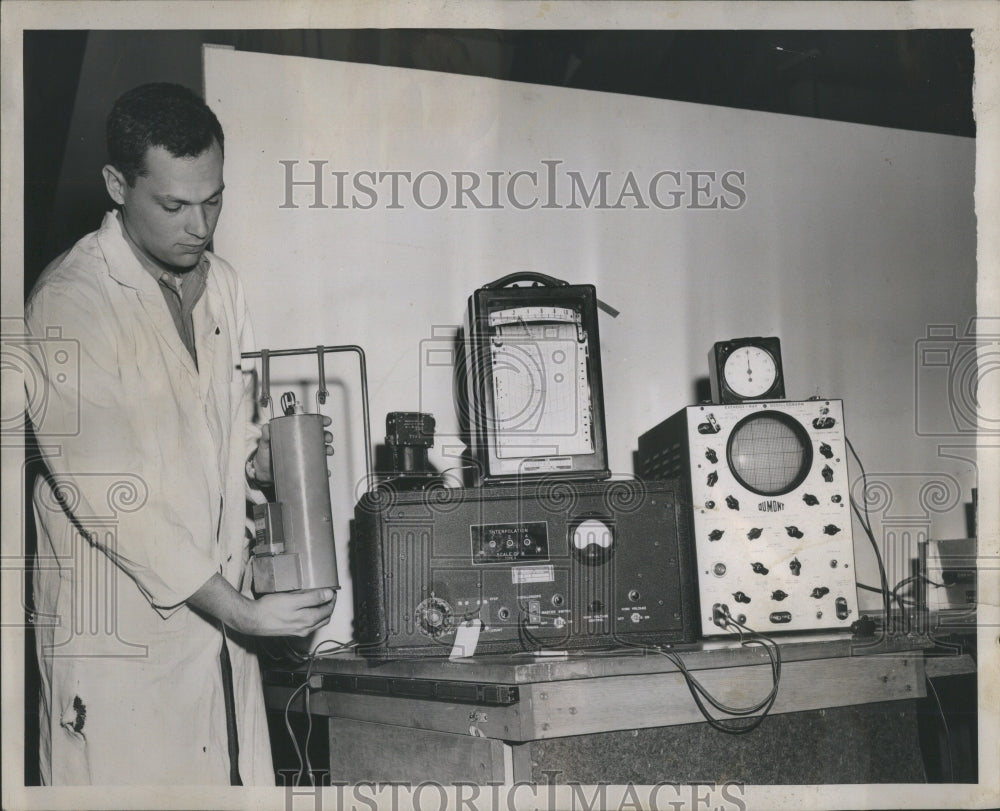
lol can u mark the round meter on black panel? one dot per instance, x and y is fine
(592, 539)
(750, 371)
(746, 369)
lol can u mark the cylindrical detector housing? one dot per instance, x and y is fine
(301, 485)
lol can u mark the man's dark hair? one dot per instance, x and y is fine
(159, 114)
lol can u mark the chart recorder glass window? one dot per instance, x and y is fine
(534, 376)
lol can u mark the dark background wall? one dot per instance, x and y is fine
(918, 80)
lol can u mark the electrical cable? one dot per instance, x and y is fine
(947, 731)
(527, 638)
(305, 764)
(700, 693)
(913, 579)
(339, 646)
(866, 524)
(901, 599)
(291, 733)
(453, 468)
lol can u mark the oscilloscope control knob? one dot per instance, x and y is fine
(433, 616)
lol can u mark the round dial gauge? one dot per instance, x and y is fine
(750, 371)
(592, 540)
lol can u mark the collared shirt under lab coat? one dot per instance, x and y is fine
(147, 453)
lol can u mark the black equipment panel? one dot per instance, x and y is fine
(573, 565)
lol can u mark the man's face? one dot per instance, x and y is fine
(171, 212)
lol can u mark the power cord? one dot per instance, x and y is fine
(866, 524)
(700, 693)
(306, 688)
(947, 731)
(724, 619)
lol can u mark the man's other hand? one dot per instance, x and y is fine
(294, 613)
(261, 459)
(291, 613)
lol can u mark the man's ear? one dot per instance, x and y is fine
(115, 183)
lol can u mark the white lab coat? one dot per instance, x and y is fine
(149, 455)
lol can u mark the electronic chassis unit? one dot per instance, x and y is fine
(769, 510)
(547, 564)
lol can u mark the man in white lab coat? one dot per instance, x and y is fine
(144, 618)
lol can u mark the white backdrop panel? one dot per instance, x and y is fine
(846, 241)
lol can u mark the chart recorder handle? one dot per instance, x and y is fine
(526, 276)
(541, 279)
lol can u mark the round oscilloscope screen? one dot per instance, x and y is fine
(769, 453)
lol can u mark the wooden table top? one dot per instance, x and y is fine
(530, 668)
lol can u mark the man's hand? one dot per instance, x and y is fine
(261, 458)
(294, 613)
